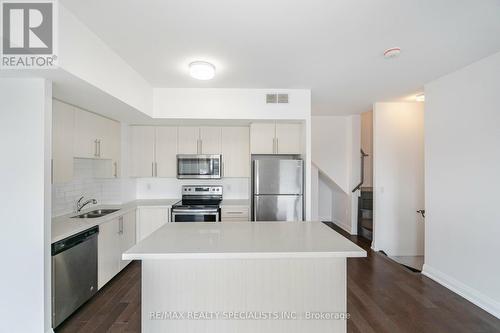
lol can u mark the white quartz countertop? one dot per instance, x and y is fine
(235, 202)
(65, 226)
(207, 240)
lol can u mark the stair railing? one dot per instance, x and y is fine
(363, 156)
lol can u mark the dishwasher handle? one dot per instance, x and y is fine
(74, 240)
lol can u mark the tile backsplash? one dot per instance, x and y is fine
(85, 183)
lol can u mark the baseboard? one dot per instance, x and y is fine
(344, 227)
(472, 295)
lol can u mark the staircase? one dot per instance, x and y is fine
(365, 213)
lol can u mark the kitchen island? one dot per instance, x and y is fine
(244, 277)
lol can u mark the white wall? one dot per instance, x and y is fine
(462, 137)
(398, 175)
(87, 57)
(335, 152)
(216, 103)
(25, 127)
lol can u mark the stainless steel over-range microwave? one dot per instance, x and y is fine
(194, 166)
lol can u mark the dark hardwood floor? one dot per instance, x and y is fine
(382, 296)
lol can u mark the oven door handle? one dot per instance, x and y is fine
(193, 212)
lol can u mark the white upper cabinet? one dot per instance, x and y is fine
(87, 134)
(142, 151)
(235, 151)
(210, 140)
(276, 138)
(288, 138)
(189, 140)
(166, 151)
(63, 118)
(100, 138)
(262, 138)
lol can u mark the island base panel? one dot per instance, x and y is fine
(173, 290)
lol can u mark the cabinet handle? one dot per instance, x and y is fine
(99, 148)
(277, 146)
(156, 169)
(152, 169)
(95, 148)
(116, 169)
(120, 225)
(274, 145)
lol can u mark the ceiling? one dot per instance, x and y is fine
(333, 47)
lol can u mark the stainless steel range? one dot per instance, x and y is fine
(200, 203)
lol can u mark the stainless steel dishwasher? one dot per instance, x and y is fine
(74, 273)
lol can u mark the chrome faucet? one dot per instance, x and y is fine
(80, 205)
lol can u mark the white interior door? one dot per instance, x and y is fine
(398, 133)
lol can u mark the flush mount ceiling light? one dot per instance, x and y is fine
(420, 98)
(393, 52)
(201, 70)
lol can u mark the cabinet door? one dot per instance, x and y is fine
(108, 252)
(128, 236)
(289, 138)
(188, 140)
(142, 151)
(110, 144)
(235, 152)
(149, 220)
(262, 138)
(87, 133)
(210, 140)
(63, 118)
(166, 152)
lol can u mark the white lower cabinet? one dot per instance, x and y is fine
(128, 236)
(115, 237)
(150, 219)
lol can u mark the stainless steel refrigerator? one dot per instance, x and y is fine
(277, 189)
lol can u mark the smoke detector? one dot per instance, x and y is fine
(393, 52)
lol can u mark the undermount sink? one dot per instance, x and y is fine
(95, 213)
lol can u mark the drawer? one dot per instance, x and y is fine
(235, 212)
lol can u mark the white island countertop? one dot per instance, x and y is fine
(243, 240)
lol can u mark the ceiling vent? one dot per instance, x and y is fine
(282, 98)
(271, 98)
(276, 98)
